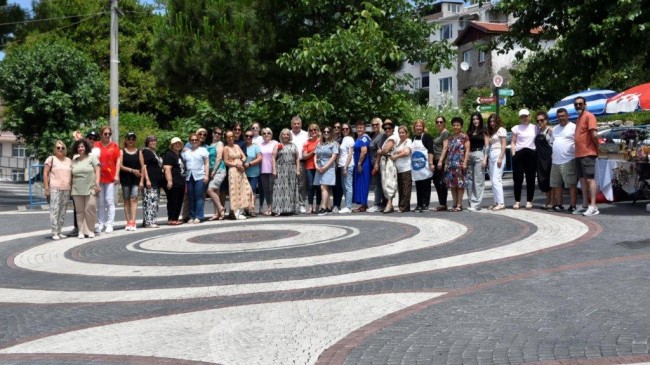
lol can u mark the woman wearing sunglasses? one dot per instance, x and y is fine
(438, 171)
(197, 175)
(109, 159)
(325, 161)
(131, 179)
(57, 178)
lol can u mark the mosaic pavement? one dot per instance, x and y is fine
(509, 287)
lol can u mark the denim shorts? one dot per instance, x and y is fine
(130, 192)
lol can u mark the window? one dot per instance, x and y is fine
(445, 85)
(467, 57)
(446, 32)
(425, 81)
(17, 175)
(17, 150)
(416, 83)
(453, 8)
(481, 56)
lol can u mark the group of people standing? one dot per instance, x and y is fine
(316, 171)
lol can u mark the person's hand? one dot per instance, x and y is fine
(359, 169)
(148, 184)
(205, 180)
(483, 164)
(432, 167)
(298, 171)
(141, 187)
(499, 163)
(345, 171)
(46, 192)
(136, 172)
(169, 185)
(97, 189)
(375, 170)
(464, 165)
(117, 180)
(275, 173)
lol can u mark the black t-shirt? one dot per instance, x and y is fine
(132, 161)
(154, 169)
(178, 168)
(476, 141)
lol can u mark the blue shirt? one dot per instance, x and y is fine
(251, 154)
(194, 163)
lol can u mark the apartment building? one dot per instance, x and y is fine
(454, 17)
(13, 159)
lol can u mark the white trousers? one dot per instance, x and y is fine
(496, 175)
(106, 204)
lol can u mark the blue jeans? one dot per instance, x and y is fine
(311, 190)
(380, 200)
(252, 181)
(196, 197)
(346, 183)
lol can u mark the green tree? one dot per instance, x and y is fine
(10, 18)
(599, 44)
(50, 89)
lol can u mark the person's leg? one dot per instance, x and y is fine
(191, 193)
(177, 194)
(380, 199)
(407, 188)
(101, 205)
(348, 181)
(338, 188)
(530, 169)
(310, 189)
(91, 213)
(474, 179)
(55, 211)
(441, 188)
(80, 203)
(454, 196)
(126, 194)
(573, 195)
(426, 198)
(303, 184)
(324, 197)
(134, 208)
(75, 229)
(199, 198)
(517, 175)
(186, 205)
(254, 182)
(153, 205)
(401, 192)
(110, 205)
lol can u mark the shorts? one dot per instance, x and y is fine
(586, 167)
(130, 192)
(563, 175)
(218, 178)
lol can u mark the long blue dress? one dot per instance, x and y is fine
(361, 179)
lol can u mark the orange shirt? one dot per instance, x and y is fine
(108, 157)
(585, 125)
(308, 147)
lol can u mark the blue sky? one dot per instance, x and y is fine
(27, 4)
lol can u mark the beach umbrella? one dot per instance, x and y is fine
(630, 100)
(596, 102)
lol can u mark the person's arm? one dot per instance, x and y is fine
(348, 160)
(218, 159)
(144, 176)
(97, 176)
(445, 146)
(486, 150)
(206, 167)
(168, 175)
(594, 136)
(118, 167)
(274, 155)
(502, 139)
(388, 147)
(513, 142)
(46, 175)
(297, 163)
(402, 153)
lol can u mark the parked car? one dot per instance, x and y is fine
(616, 134)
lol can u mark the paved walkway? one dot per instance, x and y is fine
(510, 287)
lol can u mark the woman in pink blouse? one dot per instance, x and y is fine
(269, 149)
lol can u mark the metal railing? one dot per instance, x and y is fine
(36, 190)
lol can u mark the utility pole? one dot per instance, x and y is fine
(114, 85)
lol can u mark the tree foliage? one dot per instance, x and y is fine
(10, 16)
(50, 90)
(599, 44)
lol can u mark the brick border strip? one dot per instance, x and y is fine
(126, 359)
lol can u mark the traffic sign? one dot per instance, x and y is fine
(506, 92)
(497, 80)
(490, 100)
(486, 108)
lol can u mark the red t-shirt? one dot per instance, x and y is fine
(108, 157)
(308, 147)
(585, 125)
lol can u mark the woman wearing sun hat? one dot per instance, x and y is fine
(174, 168)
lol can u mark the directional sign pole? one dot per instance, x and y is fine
(496, 92)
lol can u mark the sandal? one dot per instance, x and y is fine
(442, 208)
(458, 208)
(516, 206)
(214, 217)
(267, 213)
(529, 205)
(499, 207)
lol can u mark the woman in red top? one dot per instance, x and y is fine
(308, 151)
(109, 160)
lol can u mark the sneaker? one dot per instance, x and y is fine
(591, 211)
(81, 236)
(196, 221)
(374, 209)
(322, 212)
(425, 208)
(240, 217)
(109, 228)
(579, 211)
(345, 210)
(74, 232)
(558, 208)
(99, 228)
(303, 210)
(418, 209)
(571, 209)
(336, 210)
(62, 235)
(92, 235)
(472, 209)
(56, 237)
(133, 228)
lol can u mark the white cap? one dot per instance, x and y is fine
(524, 112)
(175, 140)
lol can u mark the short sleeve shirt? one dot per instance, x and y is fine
(325, 151)
(267, 156)
(346, 144)
(177, 168)
(194, 161)
(403, 164)
(60, 173)
(438, 144)
(83, 175)
(585, 145)
(564, 143)
(251, 153)
(525, 136)
(154, 167)
(495, 139)
(108, 156)
(309, 147)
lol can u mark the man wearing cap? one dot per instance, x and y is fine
(586, 152)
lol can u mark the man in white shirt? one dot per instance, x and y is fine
(300, 136)
(563, 170)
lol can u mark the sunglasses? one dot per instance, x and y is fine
(249, 136)
(59, 148)
(388, 127)
(266, 134)
(194, 140)
(440, 122)
(375, 124)
(217, 132)
(130, 139)
(236, 129)
(108, 134)
(540, 120)
(313, 130)
(337, 127)
(346, 129)
(326, 132)
(202, 134)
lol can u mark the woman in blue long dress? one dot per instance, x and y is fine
(362, 168)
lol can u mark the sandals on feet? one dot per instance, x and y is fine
(529, 205)
(516, 206)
